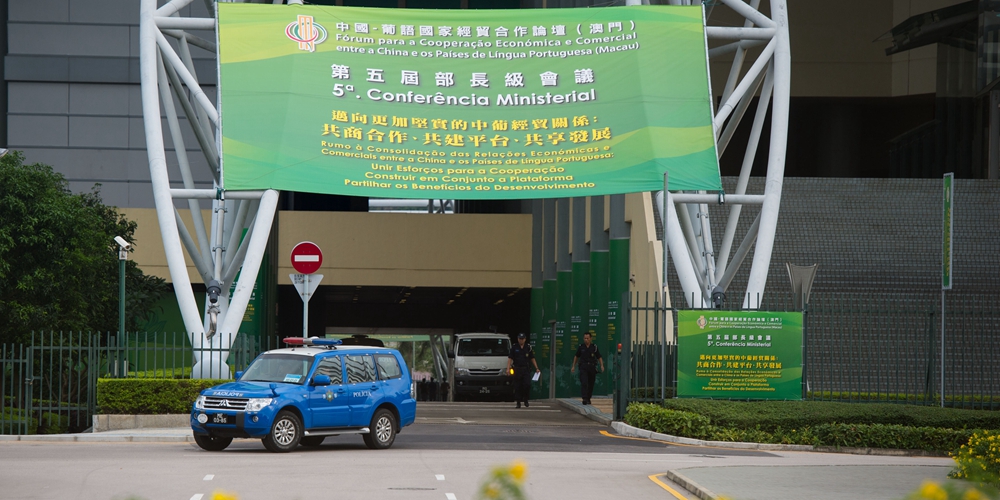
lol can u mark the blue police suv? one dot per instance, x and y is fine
(301, 394)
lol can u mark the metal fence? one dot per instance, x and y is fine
(857, 348)
(50, 385)
(888, 348)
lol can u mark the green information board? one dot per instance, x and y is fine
(739, 355)
(465, 104)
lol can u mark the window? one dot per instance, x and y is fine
(287, 368)
(483, 347)
(360, 368)
(388, 367)
(331, 367)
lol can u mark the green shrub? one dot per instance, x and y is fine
(889, 436)
(932, 490)
(765, 425)
(53, 423)
(677, 423)
(772, 415)
(145, 396)
(741, 435)
(979, 458)
(956, 400)
(13, 419)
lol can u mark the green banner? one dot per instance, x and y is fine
(466, 104)
(744, 355)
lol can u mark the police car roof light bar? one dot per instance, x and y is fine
(312, 341)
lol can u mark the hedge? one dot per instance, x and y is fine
(144, 396)
(51, 423)
(788, 423)
(772, 415)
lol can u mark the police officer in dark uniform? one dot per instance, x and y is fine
(588, 357)
(520, 354)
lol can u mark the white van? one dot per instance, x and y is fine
(481, 365)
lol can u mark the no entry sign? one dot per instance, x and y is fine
(306, 257)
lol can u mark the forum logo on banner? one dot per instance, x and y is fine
(306, 32)
(467, 104)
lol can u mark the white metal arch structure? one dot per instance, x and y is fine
(218, 252)
(700, 268)
(167, 73)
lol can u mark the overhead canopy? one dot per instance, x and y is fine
(498, 104)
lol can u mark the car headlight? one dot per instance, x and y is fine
(258, 404)
(462, 372)
(199, 403)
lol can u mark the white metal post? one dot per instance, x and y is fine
(217, 253)
(158, 170)
(776, 159)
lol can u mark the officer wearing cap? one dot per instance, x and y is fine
(520, 354)
(588, 357)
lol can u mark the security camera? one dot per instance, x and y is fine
(122, 243)
(718, 297)
(214, 289)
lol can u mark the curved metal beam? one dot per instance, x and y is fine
(221, 252)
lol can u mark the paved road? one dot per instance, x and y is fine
(445, 455)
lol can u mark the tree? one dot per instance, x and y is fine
(58, 258)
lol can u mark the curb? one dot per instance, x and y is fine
(627, 430)
(698, 490)
(104, 423)
(586, 410)
(102, 438)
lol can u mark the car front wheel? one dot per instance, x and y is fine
(286, 432)
(212, 443)
(382, 430)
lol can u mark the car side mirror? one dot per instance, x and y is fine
(451, 354)
(239, 375)
(321, 380)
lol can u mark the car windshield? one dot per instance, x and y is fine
(483, 347)
(287, 368)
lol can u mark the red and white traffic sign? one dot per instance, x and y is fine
(306, 257)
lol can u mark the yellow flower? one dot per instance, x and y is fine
(932, 491)
(518, 470)
(973, 494)
(492, 492)
(222, 495)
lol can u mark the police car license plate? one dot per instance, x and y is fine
(222, 418)
(484, 390)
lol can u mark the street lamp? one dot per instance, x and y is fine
(123, 247)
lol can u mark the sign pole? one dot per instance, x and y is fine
(946, 281)
(307, 258)
(663, 298)
(305, 307)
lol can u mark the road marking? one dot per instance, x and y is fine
(610, 435)
(440, 477)
(197, 496)
(450, 496)
(209, 477)
(640, 460)
(444, 420)
(663, 485)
